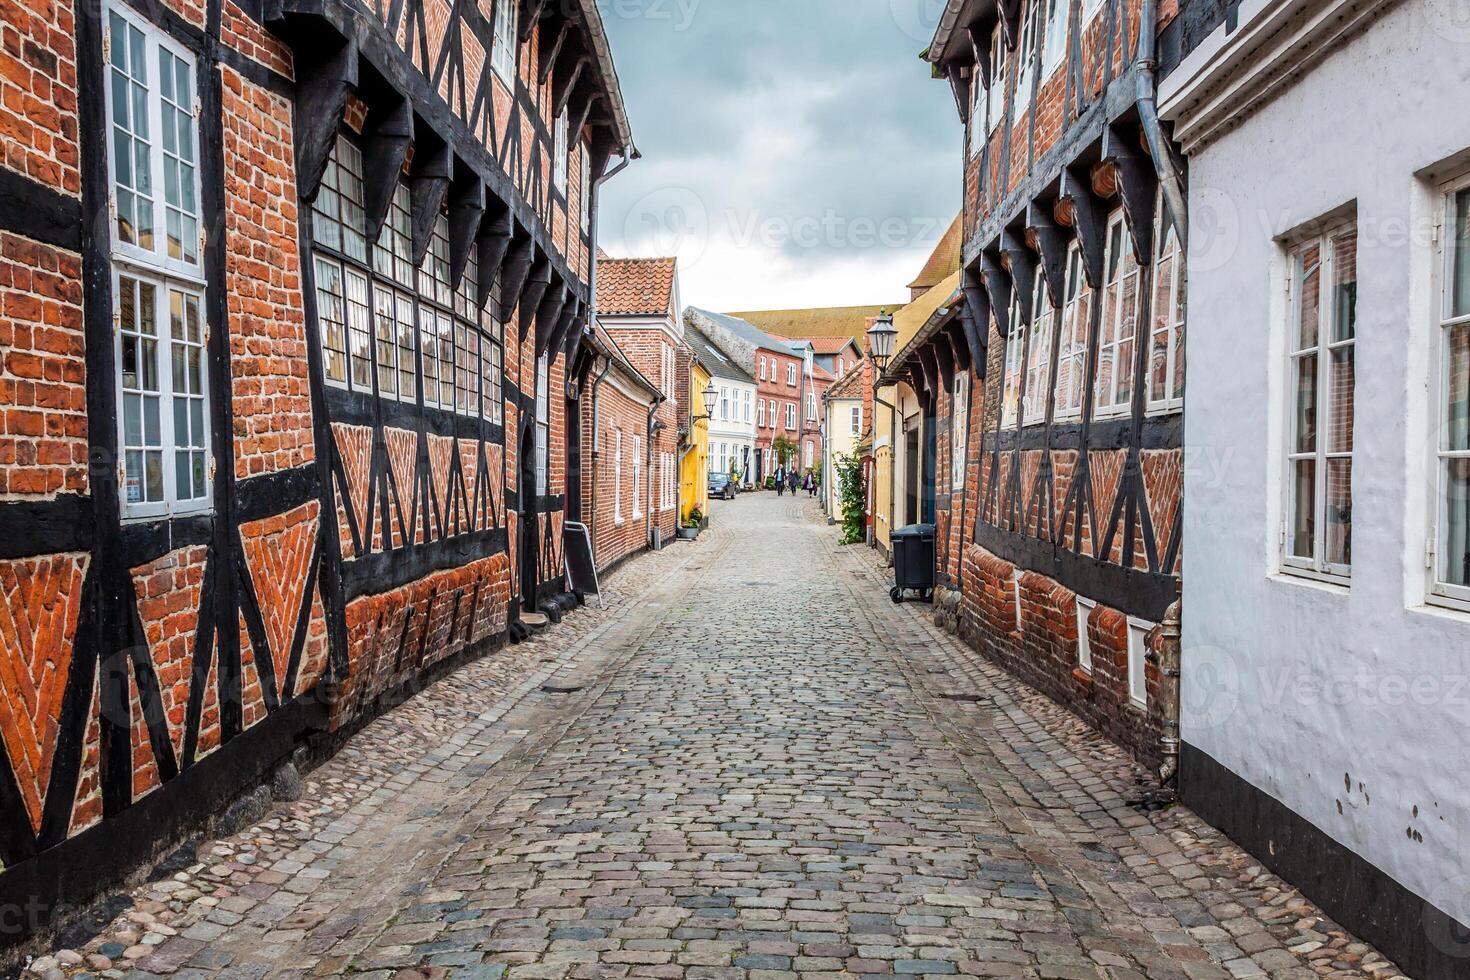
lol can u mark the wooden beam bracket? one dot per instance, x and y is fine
(466, 211)
(326, 74)
(428, 185)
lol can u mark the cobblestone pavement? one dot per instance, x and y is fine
(749, 765)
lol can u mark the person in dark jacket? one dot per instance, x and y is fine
(780, 481)
(810, 484)
(792, 480)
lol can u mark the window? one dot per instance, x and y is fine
(810, 454)
(1038, 354)
(995, 95)
(745, 398)
(560, 152)
(505, 46)
(1015, 354)
(1318, 537)
(1138, 632)
(791, 375)
(857, 420)
(163, 378)
(1084, 641)
(393, 329)
(338, 221)
(637, 476)
(791, 416)
(763, 369)
(724, 404)
(1026, 51)
(543, 424)
(392, 258)
(1072, 352)
(618, 477)
(811, 407)
(1054, 48)
(773, 417)
(1452, 569)
(1119, 323)
(342, 311)
(467, 367)
(760, 413)
(1166, 331)
(959, 428)
(492, 405)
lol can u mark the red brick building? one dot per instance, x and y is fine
(1053, 382)
(638, 308)
(620, 501)
(288, 292)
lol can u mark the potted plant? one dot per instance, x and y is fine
(689, 530)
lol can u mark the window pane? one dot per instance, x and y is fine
(1340, 435)
(1344, 286)
(446, 362)
(1459, 238)
(1306, 403)
(1308, 275)
(407, 381)
(1304, 508)
(384, 330)
(1457, 389)
(1340, 511)
(358, 320)
(428, 340)
(1455, 538)
(332, 317)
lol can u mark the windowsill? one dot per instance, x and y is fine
(1111, 413)
(1329, 584)
(1164, 408)
(165, 517)
(1139, 706)
(1445, 607)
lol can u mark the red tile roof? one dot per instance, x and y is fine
(635, 287)
(826, 346)
(944, 261)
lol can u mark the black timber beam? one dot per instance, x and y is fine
(943, 356)
(1089, 223)
(530, 17)
(980, 42)
(1052, 245)
(975, 317)
(1138, 186)
(1010, 22)
(570, 309)
(1021, 264)
(496, 232)
(428, 184)
(549, 53)
(998, 288)
(959, 344)
(387, 135)
(564, 84)
(548, 315)
(466, 212)
(514, 274)
(537, 283)
(326, 74)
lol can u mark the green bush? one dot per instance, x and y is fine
(850, 491)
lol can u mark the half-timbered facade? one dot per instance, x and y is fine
(288, 291)
(1057, 377)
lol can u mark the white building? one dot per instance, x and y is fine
(844, 425)
(732, 429)
(1326, 643)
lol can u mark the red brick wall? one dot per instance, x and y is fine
(775, 388)
(605, 483)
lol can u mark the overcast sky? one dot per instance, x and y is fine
(796, 153)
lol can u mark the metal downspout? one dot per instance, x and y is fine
(1166, 165)
(1169, 662)
(596, 453)
(652, 430)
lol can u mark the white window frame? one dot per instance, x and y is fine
(637, 476)
(790, 416)
(1090, 9)
(1316, 566)
(1138, 631)
(811, 406)
(1026, 51)
(760, 413)
(1171, 308)
(791, 375)
(763, 369)
(995, 95)
(561, 152)
(724, 404)
(1119, 265)
(505, 44)
(1014, 377)
(959, 429)
(1038, 354)
(169, 277)
(1054, 41)
(1441, 591)
(773, 417)
(618, 476)
(810, 453)
(745, 398)
(1085, 607)
(1076, 321)
(543, 425)
(856, 416)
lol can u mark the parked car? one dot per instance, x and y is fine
(720, 485)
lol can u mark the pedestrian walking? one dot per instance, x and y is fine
(780, 481)
(811, 484)
(791, 481)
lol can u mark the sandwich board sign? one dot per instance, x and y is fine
(577, 553)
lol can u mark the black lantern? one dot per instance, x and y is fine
(881, 338)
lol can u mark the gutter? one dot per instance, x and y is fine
(652, 430)
(1166, 164)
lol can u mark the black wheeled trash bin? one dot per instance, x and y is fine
(913, 562)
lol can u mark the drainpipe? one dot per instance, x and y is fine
(596, 451)
(653, 428)
(1168, 659)
(1166, 165)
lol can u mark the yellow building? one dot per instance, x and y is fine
(694, 468)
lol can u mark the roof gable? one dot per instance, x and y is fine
(636, 287)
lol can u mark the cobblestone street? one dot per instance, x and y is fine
(749, 764)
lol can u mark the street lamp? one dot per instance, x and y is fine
(710, 396)
(881, 338)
